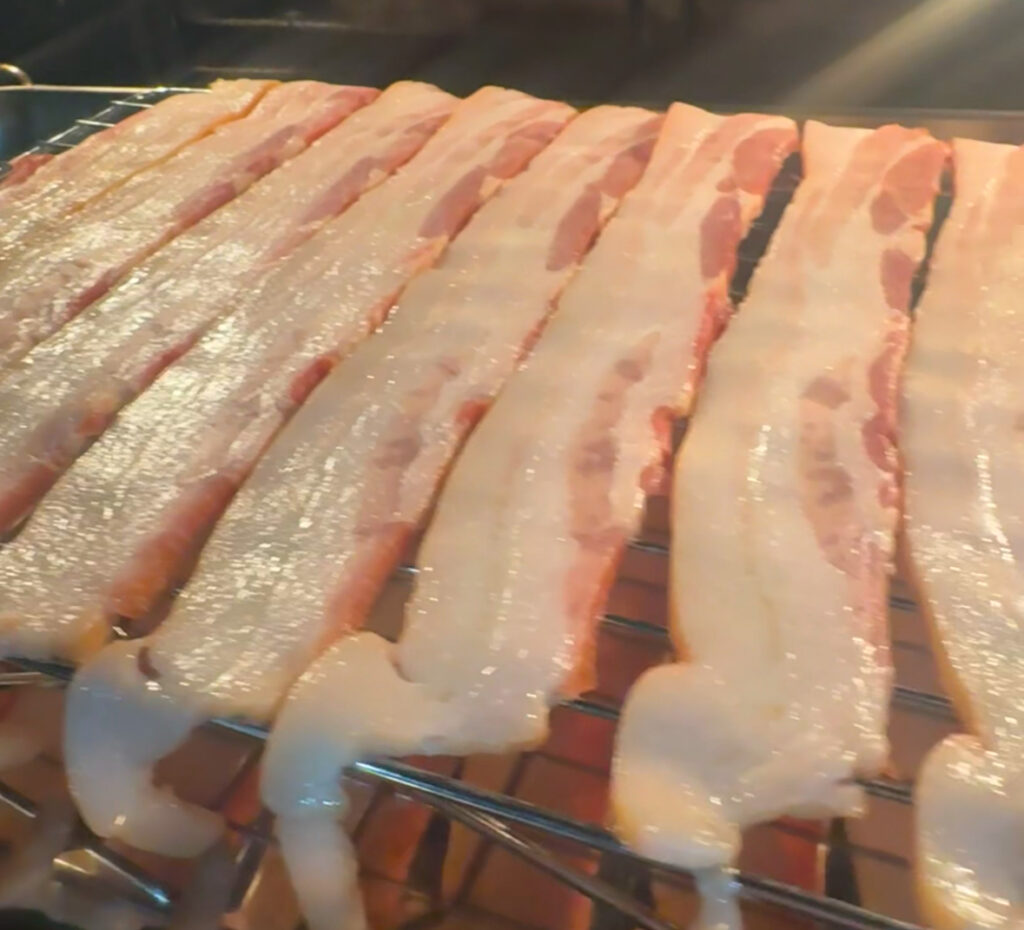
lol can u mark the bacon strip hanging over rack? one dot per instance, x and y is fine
(67, 182)
(68, 266)
(64, 393)
(962, 439)
(456, 335)
(528, 531)
(784, 507)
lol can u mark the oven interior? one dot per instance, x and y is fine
(454, 844)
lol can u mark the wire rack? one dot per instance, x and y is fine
(82, 128)
(545, 808)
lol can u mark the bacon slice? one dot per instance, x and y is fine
(963, 442)
(532, 521)
(193, 666)
(213, 413)
(64, 393)
(108, 158)
(175, 457)
(783, 511)
(66, 267)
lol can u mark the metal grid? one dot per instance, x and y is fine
(497, 809)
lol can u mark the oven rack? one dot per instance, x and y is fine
(517, 825)
(490, 813)
(106, 118)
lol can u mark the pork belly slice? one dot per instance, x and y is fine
(106, 159)
(528, 531)
(147, 493)
(226, 647)
(784, 506)
(69, 265)
(312, 536)
(65, 392)
(964, 522)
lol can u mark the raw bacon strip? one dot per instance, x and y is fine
(963, 439)
(65, 392)
(351, 274)
(391, 419)
(175, 457)
(784, 507)
(299, 555)
(67, 266)
(109, 158)
(530, 526)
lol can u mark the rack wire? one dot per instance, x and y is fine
(530, 830)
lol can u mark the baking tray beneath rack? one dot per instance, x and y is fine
(522, 835)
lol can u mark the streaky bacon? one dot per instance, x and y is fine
(66, 266)
(106, 159)
(347, 278)
(63, 394)
(530, 525)
(783, 516)
(962, 440)
(175, 456)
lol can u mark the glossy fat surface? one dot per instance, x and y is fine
(784, 508)
(59, 396)
(57, 575)
(244, 627)
(963, 400)
(109, 158)
(392, 418)
(491, 633)
(237, 385)
(397, 413)
(553, 480)
(69, 265)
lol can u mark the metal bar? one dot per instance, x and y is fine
(91, 88)
(934, 704)
(924, 701)
(18, 802)
(543, 859)
(147, 888)
(142, 887)
(595, 838)
(26, 678)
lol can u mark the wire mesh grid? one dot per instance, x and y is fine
(445, 842)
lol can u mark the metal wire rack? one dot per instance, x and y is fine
(82, 128)
(621, 885)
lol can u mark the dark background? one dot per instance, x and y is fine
(819, 53)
